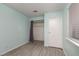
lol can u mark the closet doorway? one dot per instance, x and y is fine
(38, 30)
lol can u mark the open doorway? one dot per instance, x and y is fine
(37, 31)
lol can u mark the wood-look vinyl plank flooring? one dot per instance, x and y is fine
(35, 49)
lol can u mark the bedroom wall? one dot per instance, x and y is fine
(14, 29)
(70, 14)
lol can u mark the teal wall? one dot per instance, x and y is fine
(14, 29)
(65, 29)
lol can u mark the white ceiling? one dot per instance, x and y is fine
(28, 8)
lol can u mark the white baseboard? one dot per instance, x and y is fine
(13, 48)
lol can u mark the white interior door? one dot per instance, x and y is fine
(38, 31)
(55, 32)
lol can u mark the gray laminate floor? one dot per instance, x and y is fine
(35, 49)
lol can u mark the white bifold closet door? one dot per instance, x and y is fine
(38, 31)
(55, 32)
